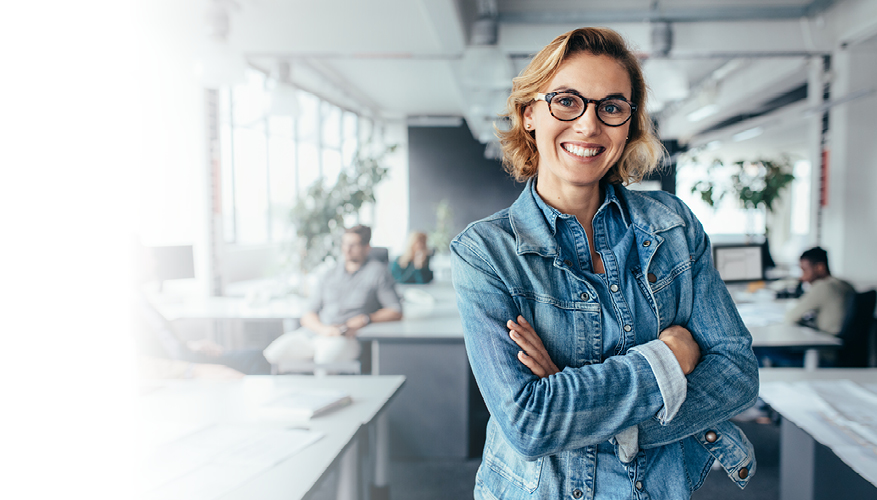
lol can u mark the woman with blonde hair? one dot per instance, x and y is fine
(604, 342)
(413, 265)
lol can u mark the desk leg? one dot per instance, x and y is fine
(348, 472)
(376, 357)
(381, 488)
(811, 359)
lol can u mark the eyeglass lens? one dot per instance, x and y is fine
(611, 111)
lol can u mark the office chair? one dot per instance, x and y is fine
(856, 331)
(381, 254)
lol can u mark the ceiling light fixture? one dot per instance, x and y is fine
(747, 134)
(703, 112)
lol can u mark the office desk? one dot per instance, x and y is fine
(201, 307)
(828, 437)
(233, 322)
(200, 403)
(432, 416)
(764, 316)
(795, 337)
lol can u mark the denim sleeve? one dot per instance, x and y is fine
(725, 381)
(569, 410)
(668, 373)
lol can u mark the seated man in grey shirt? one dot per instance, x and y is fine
(357, 292)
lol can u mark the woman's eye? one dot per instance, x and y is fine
(566, 102)
(611, 108)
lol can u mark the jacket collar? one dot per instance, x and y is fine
(534, 222)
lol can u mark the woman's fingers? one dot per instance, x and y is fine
(530, 363)
(533, 355)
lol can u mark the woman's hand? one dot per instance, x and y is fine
(683, 345)
(533, 356)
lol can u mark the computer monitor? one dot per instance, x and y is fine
(739, 263)
(173, 262)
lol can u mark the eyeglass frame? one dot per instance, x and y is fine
(549, 96)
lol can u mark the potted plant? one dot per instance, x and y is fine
(756, 183)
(319, 216)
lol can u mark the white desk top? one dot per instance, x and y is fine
(227, 308)
(239, 402)
(836, 406)
(784, 335)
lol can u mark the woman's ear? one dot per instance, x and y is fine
(528, 118)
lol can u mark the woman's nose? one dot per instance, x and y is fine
(588, 124)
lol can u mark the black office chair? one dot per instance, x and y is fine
(381, 254)
(856, 331)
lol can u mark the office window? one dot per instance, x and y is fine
(728, 216)
(269, 161)
(282, 184)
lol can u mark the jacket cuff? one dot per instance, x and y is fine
(671, 381)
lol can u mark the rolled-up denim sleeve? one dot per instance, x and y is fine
(671, 380)
(671, 383)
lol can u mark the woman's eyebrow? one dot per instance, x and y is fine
(563, 89)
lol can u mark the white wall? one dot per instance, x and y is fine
(849, 222)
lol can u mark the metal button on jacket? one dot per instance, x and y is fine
(652, 278)
(710, 436)
(743, 473)
(614, 288)
(627, 328)
(585, 296)
(577, 493)
(647, 243)
(567, 263)
(639, 485)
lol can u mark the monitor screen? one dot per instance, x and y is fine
(173, 262)
(739, 262)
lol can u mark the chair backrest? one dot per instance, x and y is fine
(856, 330)
(380, 253)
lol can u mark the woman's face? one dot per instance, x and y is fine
(578, 153)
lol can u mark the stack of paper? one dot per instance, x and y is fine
(307, 403)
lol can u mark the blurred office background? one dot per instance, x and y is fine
(199, 125)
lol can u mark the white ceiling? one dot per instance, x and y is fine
(415, 58)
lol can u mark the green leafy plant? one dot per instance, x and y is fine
(319, 215)
(755, 183)
(440, 237)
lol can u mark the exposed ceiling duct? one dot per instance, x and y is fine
(485, 28)
(662, 38)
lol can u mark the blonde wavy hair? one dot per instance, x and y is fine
(643, 150)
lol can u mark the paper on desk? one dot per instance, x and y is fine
(760, 314)
(839, 414)
(210, 462)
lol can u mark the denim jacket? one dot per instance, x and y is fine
(544, 435)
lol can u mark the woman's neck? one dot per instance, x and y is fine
(582, 202)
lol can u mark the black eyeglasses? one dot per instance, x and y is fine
(613, 111)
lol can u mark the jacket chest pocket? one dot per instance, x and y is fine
(668, 290)
(504, 464)
(569, 327)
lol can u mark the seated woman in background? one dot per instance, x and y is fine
(413, 265)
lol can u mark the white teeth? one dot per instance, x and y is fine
(580, 151)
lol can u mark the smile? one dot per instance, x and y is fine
(582, 152)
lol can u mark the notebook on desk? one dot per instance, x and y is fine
(308, 403)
